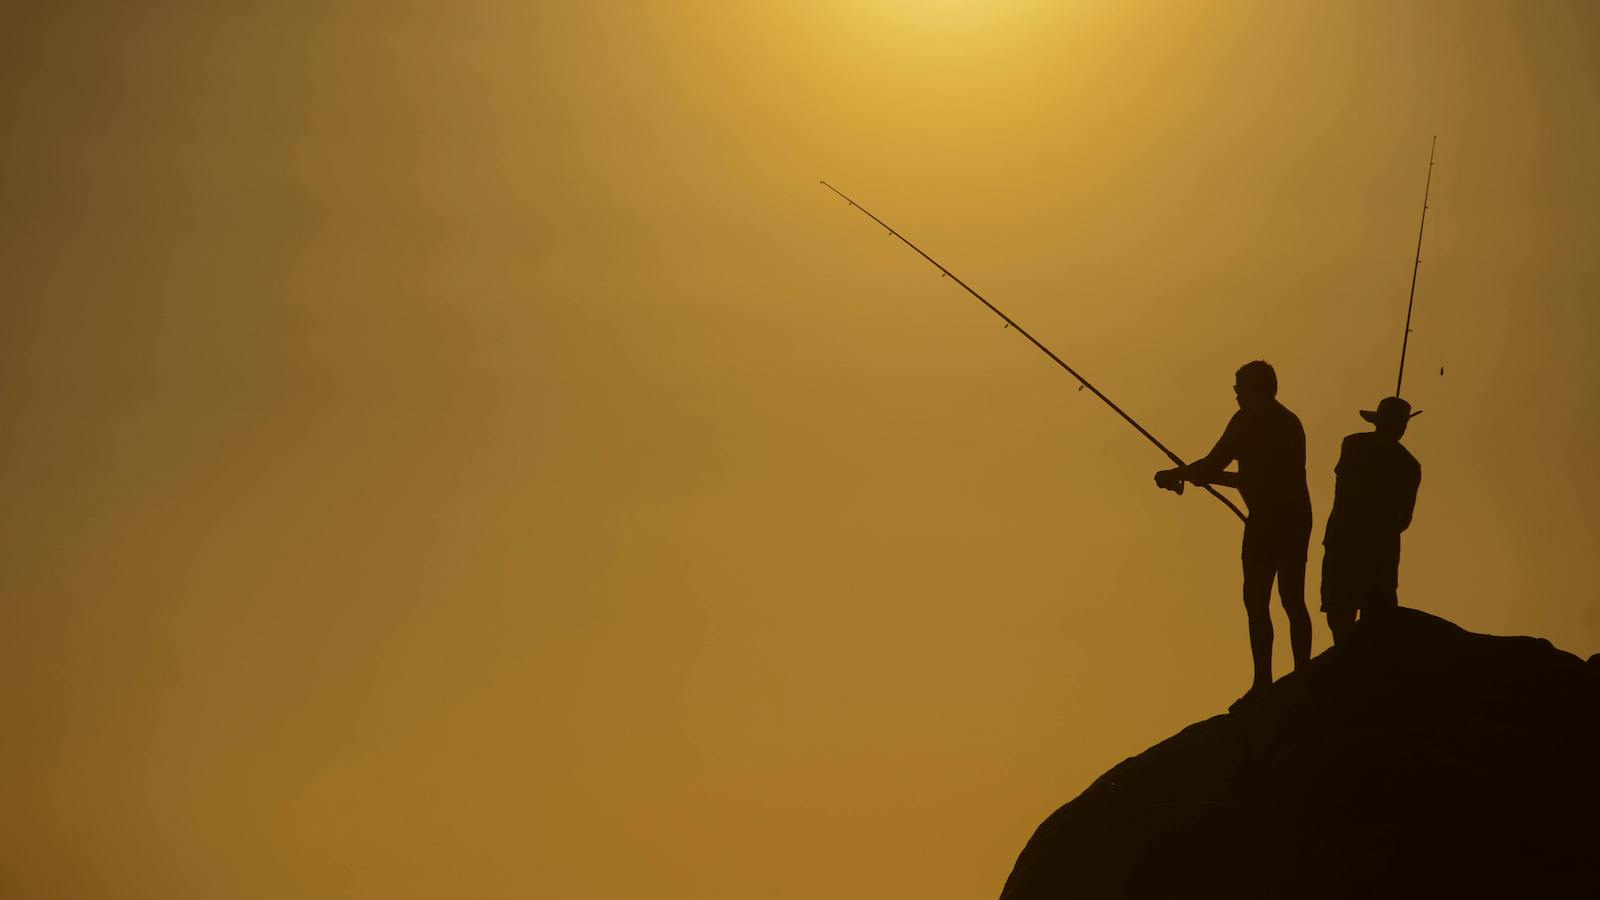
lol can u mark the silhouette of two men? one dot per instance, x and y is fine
(1374, 494)
(1269, 444)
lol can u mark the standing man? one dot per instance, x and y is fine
(1374, 493)
(1270, 445)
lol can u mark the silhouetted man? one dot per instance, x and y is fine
(1374, 493)
(1270, 445)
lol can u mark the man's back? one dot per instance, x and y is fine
(1375, 491)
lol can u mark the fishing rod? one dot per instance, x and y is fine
(1405, 338)
(1035, 341)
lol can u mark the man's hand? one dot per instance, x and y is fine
(1169, 480)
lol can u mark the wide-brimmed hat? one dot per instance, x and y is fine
(1390, 409)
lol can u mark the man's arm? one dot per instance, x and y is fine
(1221, 479)
(1408, 503)
(1334, 532)
(1207, 469)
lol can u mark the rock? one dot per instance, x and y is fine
(1416, 760)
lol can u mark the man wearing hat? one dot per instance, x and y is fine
(1374, 493)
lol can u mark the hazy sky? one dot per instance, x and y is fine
(459, 450)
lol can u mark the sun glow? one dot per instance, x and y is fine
(949, 15)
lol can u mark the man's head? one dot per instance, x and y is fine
(1255, 383)
(1391, 417)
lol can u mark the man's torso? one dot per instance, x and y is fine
(1374, 491)
(1271, 449)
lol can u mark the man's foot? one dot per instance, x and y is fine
(1249, 699)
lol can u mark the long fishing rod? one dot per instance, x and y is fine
(1035, 341)
(1405, 338)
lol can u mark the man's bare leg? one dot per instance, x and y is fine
(1257, 607)
(1292, 592)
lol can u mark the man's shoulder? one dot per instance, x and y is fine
(1406, 457)
(1267, 422)
(1369, 443)
(1276, 415)
(1358, 442)
(1241, 422)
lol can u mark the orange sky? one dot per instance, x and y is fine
(460, 451)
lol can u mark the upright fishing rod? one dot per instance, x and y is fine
(1405, 338)
(1035, 341)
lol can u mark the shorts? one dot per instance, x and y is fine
(1359, 580)
(1276, 539)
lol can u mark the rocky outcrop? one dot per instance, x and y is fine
(1416, 760)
